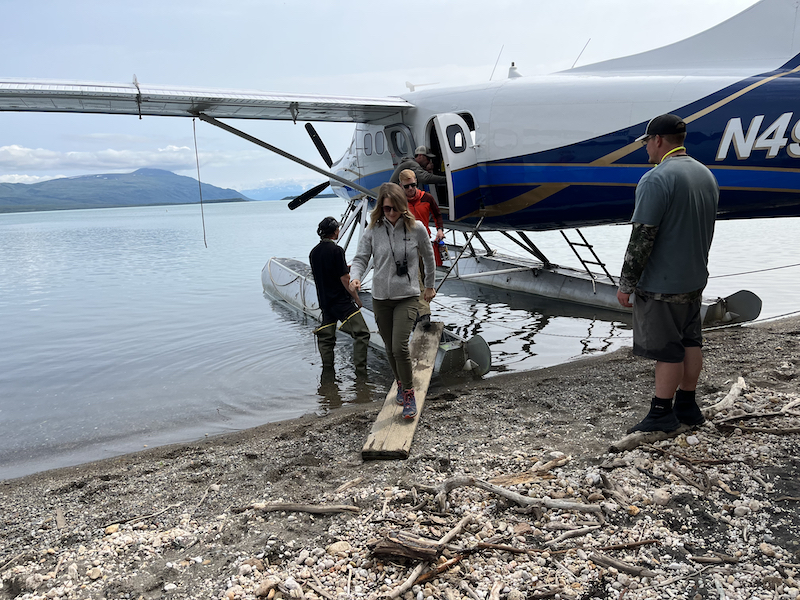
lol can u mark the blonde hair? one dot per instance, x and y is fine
(395, 193)
(408, 175)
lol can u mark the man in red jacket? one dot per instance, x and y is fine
(424, 207)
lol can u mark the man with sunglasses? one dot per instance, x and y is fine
(424, 207)
(422, 166)
(666, 268)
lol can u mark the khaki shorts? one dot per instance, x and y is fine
(663, 330)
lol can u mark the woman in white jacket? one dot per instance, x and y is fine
(395, 240)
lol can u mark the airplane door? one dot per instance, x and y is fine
(460, 163)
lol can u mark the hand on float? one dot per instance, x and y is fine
(429, 294)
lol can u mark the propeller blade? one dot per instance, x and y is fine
(306, 196)
(323, 151)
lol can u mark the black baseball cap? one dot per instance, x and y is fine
(327, 227)
(664, 125)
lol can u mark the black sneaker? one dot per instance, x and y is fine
(426, 321)
(686, 409)
(665, 422)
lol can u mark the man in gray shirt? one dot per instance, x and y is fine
(666, 267)
(421, 165)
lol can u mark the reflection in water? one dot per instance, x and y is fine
(526, 332)
(341, 385)
(334, 392)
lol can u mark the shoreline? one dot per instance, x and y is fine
(135, 525)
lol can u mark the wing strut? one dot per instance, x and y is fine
(464, 249)
(271, 148)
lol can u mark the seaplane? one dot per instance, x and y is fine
(528, 154)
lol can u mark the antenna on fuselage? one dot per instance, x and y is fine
(497, 61)
(512, 72)
(581, 52)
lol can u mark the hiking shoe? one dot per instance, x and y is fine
(409, 405)
(657, 421)
(686, 409)
(399, 399)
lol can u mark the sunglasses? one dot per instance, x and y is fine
(647, 139)
(389, 208)
(409, 185)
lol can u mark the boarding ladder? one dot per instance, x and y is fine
(586, 262)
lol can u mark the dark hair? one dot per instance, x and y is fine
(327, 227)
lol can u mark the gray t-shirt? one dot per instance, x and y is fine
(680, 197)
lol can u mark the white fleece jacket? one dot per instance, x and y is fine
(388, 244)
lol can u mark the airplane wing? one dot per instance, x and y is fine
(136, 99)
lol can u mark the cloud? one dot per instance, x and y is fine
(14, 178)
(18, 158)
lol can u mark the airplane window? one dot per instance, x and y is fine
(367, 144)
(399, 142)
(379, 142)
(455, 136)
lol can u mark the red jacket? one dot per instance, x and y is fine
(423, 207)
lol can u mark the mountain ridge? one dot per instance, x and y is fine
(143, 187)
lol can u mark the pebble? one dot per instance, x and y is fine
(341, 548)
(662, 497)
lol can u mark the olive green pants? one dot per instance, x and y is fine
(395, 320)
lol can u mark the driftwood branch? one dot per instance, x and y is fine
(415, 574)
(348, 484)
(727, 402)
(447, 486)
(320, 509)
(607, 561)
(637, 438)
(150, 516)
(531, 475)
(571, 534)
(494, 594)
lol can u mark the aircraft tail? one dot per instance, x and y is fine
(758, 40)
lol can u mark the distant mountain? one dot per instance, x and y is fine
(276, 192)
(145, 187)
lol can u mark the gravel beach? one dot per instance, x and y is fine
(512, 490)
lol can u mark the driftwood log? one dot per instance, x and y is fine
(440, 492)
(318, 509)
(607, 561)
(727, 402)
(401, 589)
(406, 545)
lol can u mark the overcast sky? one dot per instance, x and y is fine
(310, 46)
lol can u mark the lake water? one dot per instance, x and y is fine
(121, 330)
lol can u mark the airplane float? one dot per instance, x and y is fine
(533, 153)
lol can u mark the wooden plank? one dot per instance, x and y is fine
(391, 434)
